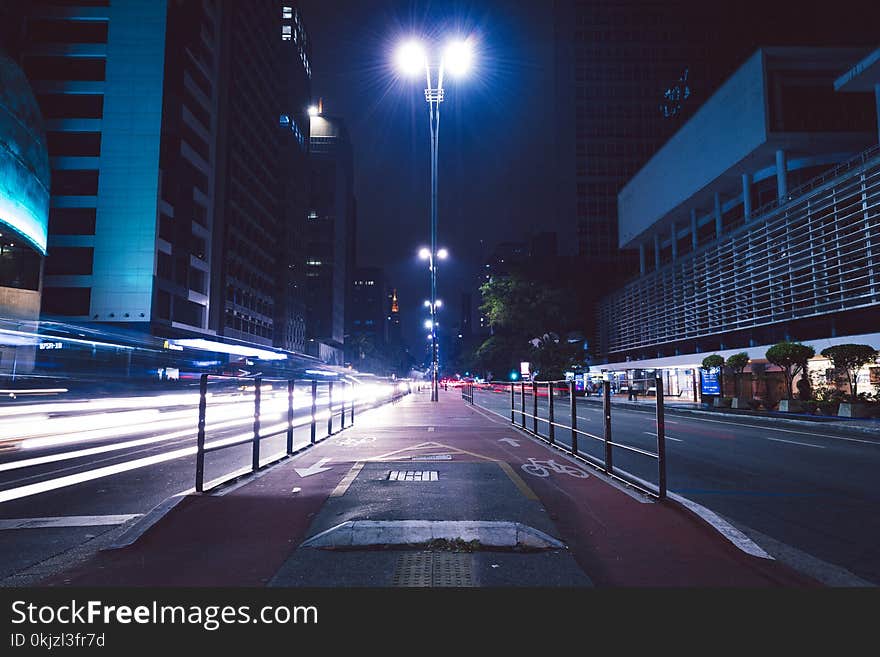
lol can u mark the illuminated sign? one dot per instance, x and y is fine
(709, 381)
(170, 345)
(51, 345)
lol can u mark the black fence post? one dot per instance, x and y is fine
(606, 411)
(290, 416)
(522, 402)
(200, 437)
(342, 410)
(661, 438)
(512, 404)
(330, 407)
(258, 384)
(535, 406)
(353, 396)
(551, 432)
(574, 418)
(314, 408)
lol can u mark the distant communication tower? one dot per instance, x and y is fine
(674, 96)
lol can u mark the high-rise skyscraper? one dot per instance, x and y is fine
(330, 220)
(176, 135)
(263, 198)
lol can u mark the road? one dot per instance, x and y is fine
(785, 486)
(71, 470)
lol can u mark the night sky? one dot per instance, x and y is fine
(496, 171)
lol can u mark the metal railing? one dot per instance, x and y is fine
(552, 389)
(335, 407)
(467, 392)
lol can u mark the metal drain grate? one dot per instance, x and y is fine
(433, 569)
(413, 475)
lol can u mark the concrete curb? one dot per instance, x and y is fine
(140, 526)
(489, 533)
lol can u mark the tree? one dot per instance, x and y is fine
(515, 305)
(552, 357)
(519, 308)
(738, 362)
(792, 357)
(850, 358)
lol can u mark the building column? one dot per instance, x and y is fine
(656, 251)
(747, 196)
(781, 176)
(717, 215)
(877, 99)
(642, 258)
(674, 242)
(694, 237)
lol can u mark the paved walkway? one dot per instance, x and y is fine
(417, 472)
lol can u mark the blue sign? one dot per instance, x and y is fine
(710, 383)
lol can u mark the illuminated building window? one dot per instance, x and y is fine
(287, 12)
(285, 33)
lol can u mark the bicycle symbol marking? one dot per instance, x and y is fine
(538, 468)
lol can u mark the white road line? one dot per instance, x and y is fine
(731, 533)
(794, 442)
(65, 521)
(800, 433)
(678, 440)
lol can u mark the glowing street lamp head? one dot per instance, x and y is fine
(410, 58)
(424, 253)
(458, 57)
(428, 323)
(427, 304)
(443, 254)
(313, 110)
(438, 303)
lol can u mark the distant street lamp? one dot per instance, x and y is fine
(412, 60)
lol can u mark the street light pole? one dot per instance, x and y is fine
(434, 96)
(411, 58)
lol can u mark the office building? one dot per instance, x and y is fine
(755, 222)
(330, 218)
(366, 312)
(262, 203)
(630, 73)
(177, 184)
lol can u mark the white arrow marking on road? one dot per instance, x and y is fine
(509, 441)
(315, 468)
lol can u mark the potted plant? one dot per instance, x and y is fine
(849, 359)
(737, 363)
(792, 358)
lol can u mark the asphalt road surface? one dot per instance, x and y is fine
(786, 486)
(71, 470)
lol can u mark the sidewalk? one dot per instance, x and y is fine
(422, 494)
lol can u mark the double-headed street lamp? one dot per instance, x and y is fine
(412, 60)
(433, 304)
